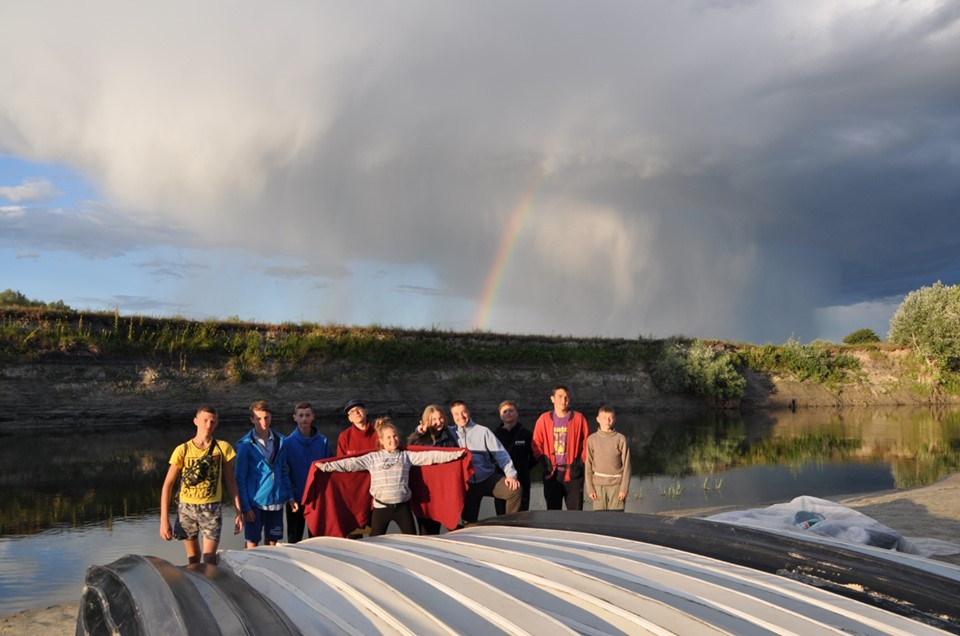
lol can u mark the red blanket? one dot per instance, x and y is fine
(335, 504)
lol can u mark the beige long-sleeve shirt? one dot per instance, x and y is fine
(608, 461)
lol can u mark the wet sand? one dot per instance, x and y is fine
(929, 511)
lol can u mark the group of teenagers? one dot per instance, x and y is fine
(368, 477)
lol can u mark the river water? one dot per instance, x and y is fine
(90, 494)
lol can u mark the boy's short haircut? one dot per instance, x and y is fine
(302, 405)
(457, 403)
(261, 405)
(207, 408)
(558, 387)
(606, 409)
(507, 403)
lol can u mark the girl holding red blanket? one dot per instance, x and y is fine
(389, 471)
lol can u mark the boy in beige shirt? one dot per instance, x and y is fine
(607, 468)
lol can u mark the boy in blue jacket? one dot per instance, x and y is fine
(304, 446)
(263, 479)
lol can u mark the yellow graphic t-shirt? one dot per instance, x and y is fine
(210, 491)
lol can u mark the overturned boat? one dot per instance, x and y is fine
(534, 573)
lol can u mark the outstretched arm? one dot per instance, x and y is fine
(345, 465)
(425, 458)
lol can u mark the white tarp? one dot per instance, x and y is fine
(811, 515)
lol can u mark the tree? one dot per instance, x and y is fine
(928, 320)
(10, 298)
(861, 336)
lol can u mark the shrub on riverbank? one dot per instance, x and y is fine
(805, 362)
(698, 368)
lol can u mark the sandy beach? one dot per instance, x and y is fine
(930, 511)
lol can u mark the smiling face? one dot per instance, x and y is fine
(358, 417)
(389, 439)
(438, 421)
(460, 414)
(561, 402)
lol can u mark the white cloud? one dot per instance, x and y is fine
(30, 190)
(710, 168)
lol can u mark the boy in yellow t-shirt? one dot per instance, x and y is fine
(199, 510)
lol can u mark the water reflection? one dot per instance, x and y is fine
(86, 493)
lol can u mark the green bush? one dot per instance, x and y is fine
(805, 362)
(698, 368)
(861, 336)
(928, 321)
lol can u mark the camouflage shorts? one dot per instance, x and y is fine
(192, 519)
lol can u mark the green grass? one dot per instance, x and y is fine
(248, 347)
(821, 363)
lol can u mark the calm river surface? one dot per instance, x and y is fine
(90, 494)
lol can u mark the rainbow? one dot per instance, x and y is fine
(508, 241)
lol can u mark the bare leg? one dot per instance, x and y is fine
(193, 549)
(210, 551)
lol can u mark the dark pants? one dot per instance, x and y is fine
(296, 525)
(428, 526)
(557, 492)
(400, 513)
(493, 486)
(500, 505)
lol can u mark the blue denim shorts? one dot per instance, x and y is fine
(268, 526)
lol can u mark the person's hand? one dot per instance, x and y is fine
(511, 483)
(547, 466)
(250, 516)
(238, 524)
(165, 533)
(622, 496)
(593, 496)
(294, 506)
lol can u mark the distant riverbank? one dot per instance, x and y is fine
(59, 369)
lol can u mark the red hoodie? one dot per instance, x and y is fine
(577, 432)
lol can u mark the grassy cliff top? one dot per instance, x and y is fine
(40, 332)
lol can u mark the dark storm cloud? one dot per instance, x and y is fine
(712, 168)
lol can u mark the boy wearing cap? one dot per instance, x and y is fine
(360, 436)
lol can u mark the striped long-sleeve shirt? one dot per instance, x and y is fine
(389, 472)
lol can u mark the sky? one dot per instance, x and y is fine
(744, 170)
